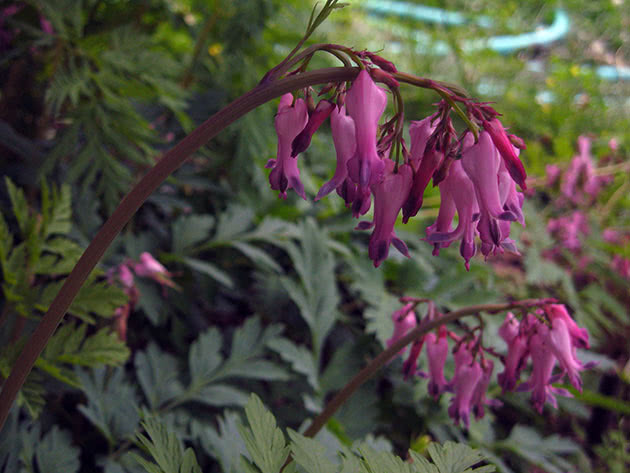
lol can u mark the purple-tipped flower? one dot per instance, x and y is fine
(502, 142)
(303, 140)
(365, 102)
(424, 161)
(343, 133)
(389, 196)
(290, 121)
(437, 352)
(468, 374)
(460, 189)
(479, 400)
(404, 320)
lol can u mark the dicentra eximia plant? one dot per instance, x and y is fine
(477, 171)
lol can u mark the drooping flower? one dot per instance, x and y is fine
(290, 121)
(579, 336)
(563, 349)
(389, 196)
(458, 188)
(479, 399)
(580, 179)
(151, 268)
(468, 374)
(404, 320)
(503, 144)
(424, 162)
(568, 229)
(411, 363)
(365, 102)
(437, 352)
(303, 139)
(343, 133)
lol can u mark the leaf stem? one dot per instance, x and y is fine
(171, 160)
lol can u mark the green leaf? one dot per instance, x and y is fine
(317, 297)
(55, 453)
(300, 358)
(157, 374)
(456, 458)
(65, 254)
(112, 406)
(204, 356)
(224, 444)
(264, 441)
(384, 462)
(210, 270)
(309, 454)
(166, 449)
(6, 241)
(61, 216)
(220, 395)
(19, 204)
(258, 256)
(189, 230)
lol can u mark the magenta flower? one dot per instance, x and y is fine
(564, 350)
(468, 374)
(411, 363)
(404, 320)
(543, 362)
(579, 336)
(503, 144)
(567, 229)
(365, 102)
(343, 133)
(125, 276)
(437, 351)
(290, 121)
(315, 119)
(581, 173)
(509, 328)
(460, 189)
(389, 196)
(151, 268)
(424, 161)
(479, 400)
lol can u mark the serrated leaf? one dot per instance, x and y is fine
(210, 270)
(383, 462)
(55, 453)
(204, 356)
(19, 205)
(220, 395)
(189, 230)
(60, 221)
(455, 457)
(257, 255)
(6, 240)
(264, 441)
(225, 444)
(300, 358)
(112, 406)
(157, 374)
(65, 255)
(104, 347)
(309, 454)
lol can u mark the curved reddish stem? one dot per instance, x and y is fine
(171, 160)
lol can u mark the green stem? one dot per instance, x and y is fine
(171, 160)
(385, 356)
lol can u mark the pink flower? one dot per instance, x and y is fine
(468, 374)
(411, 363)
(581, 172)
(567, 229)
(125, 276)
(303, 140)
(389, 196)
(579, 336)
(460, 189)
(343, 133)
(366, 103)
(404, 320)
(552, 171)
(504, 145)
(509, 328)
(479, 400)
(424, 161)
(543, 362)
(290, 121)
(151, 268)
(564, 350)
(437, 351)
(518, 350)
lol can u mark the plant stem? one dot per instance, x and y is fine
(171, 160)
(385, 356)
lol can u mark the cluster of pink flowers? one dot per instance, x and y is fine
(579, 187)
(480, 187)
(147, 267)
(549, 336)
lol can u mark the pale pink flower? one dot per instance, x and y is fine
(437, 352)
(290, 121)
(365, 102)
(151, 268)
(479, 400)
(389, 196)
(503, 144)
(343, 133)
(404, 320)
